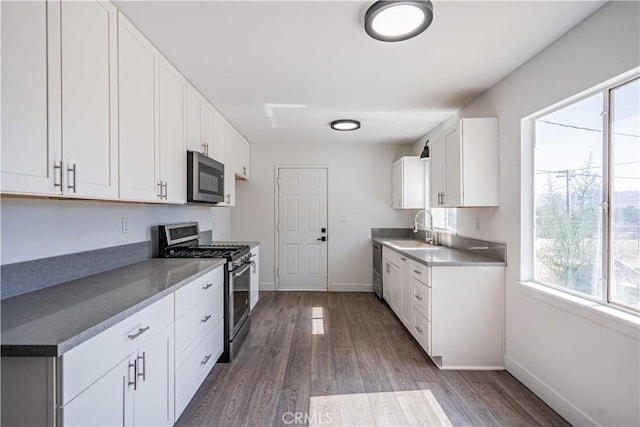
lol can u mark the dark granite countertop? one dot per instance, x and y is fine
(51, 321)
(442, 256)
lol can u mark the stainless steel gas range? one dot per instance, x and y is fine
(182, 241)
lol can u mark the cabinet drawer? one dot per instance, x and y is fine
(421, 272)
(421, 330)
(190, 295)
(83, 365)
(393, 256)
(195, 321)
(421, 296)
(197, 365)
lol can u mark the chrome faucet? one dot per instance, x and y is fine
(430, 238)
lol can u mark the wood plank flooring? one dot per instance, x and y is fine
(338, 359)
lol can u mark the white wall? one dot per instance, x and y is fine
(40, 228)
(359, 190)
(587, 369)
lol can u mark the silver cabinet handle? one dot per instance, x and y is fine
(160, 189)
(207, 286)
(403, 259)
(388, 268)
(74, 171)
(244, 170)
(418, 328)
(134, 383)
(254, 267)
(418, 297)
(165, 190)
(140, 332)
(229, 198)
(205, 318)
(206, 359)
(143, 372)
(59, 169)
(417, 271)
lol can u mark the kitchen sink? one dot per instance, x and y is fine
(411, 244)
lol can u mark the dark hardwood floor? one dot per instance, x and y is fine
(322, 358)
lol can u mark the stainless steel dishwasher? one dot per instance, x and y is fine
(377, 269)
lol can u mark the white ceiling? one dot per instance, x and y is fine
(280, 71)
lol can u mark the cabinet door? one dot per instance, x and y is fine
(173, 156)
(28, 153)
(406, 295)
(207, 124)
(138, 160)
(229, 159)
(254, 292)
(218, 137)
(89, 98)
(154, 395)
(437, 166)
(194, 139)
(453, 168)
(396, 188)
(391, 280)
(243, 157)
(107, 402)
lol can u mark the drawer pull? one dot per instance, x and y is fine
(143, 372)
(404, 259)
(417, 271)
(205, 318)
(418, 328)
(206, 359)
(207, 286)
(134, 383)
(140, 332)
(418, 297)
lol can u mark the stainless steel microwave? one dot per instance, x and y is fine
(205, 179)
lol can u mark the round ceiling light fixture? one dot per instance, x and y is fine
(345, 125)
(396, 20)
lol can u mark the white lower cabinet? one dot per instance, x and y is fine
(254, 288)
(454, 312)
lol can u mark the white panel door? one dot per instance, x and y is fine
(173, 155)
(28, 153)
(138, 161)
(89, 98)
(302, 214)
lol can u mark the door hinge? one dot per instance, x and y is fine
(278, 226)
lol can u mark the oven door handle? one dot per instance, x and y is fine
(242, 269)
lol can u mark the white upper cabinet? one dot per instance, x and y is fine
(171, 133)
(218, 137)
(203, 135)
(138, 145)
(28, 154)
(242, 157)
(229, 170)
(465, 165)
(409, 183)
(53, 141)
(89, 98)
(152, 122)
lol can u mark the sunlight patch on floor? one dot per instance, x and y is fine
(317, 321)
(416, 407)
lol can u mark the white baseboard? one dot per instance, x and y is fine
(551, 397)
(351, 287)
(267, 286)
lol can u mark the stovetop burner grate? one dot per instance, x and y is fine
(207, 251)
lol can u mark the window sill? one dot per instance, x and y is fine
(610, 317)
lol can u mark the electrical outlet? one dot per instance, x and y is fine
(476, 224)
(125, 225)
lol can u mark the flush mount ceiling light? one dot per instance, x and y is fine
(396, 20)
(345, 124)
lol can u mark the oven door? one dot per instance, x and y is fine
(239, 281)
(205, 179)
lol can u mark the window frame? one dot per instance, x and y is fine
(606, 89)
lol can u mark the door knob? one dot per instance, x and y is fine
(322, 239)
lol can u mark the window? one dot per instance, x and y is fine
(587, 196)
(445, 218)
